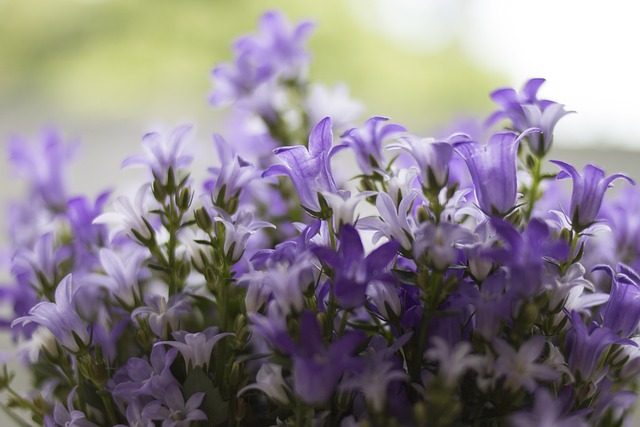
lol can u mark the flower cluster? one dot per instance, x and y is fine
(456, 282)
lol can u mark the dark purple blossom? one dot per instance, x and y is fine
(317, 368)
(586, 345)
(588, 191)
(309, 169)
(352, 270)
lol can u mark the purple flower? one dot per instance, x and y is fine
(526, 111)
(68, 416)
(173, 411)
(233, 175)
(147, 379)
(547, 411)
(44, 166)
(121, 277)
(588, 191)
(318, 368)
(367, 141)
(196, 348)
(432, 158)
(440, 243)
(622, 312)
(237, 80)
(279, 46)
(162, 315)
(394, 223)
(309, 169)
(61, 318)
(586, 345)
(237, 233)
(161, 154)
(493, 171)
(323, 101)
(353, 271)
(129, 218)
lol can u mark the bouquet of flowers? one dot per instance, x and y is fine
(327, 272)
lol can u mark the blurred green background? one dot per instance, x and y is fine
(92, 65)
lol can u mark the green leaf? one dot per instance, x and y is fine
(213, 405)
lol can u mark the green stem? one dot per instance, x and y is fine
(536, 175)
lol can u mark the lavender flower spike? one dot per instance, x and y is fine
(493, 170)
(308, 169)
(60, 317)
(588, 191)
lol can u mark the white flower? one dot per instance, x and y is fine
(269, 380)
(520, 368)
(453, 361)
(128, 216)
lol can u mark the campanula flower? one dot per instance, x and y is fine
(335, 102)
(622, 312)
(147, 378)
(162, 153)
(525, 111)
(44, 166)
(366, 142)
(309, 169)
(317, 368)
(353, 271)
(394, 223)
(432, 158)
(520, 367)
(588, 191)
(61, 317)
(196, 348)
(269, 380)
(129, 217)
(493, 171)
(173, 411)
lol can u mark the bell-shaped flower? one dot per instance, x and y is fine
(163, 316)
(61, 318)
(353, 271)
(622, 312)
(432, 158)
(147, 378)
(233, 175)
(545, 120)
(309, 169)
(121, 277)
(173, 411)
(317, 368)
(161, 154)
(343, 206)
(441, 242)
(493, 171)
(393, 223)
(237, 233)
(520, 368)
(129, 217)
(269, 380)
(196, 348)
(588, 192)
(585, 346)
(366, 142)
(278, 45)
